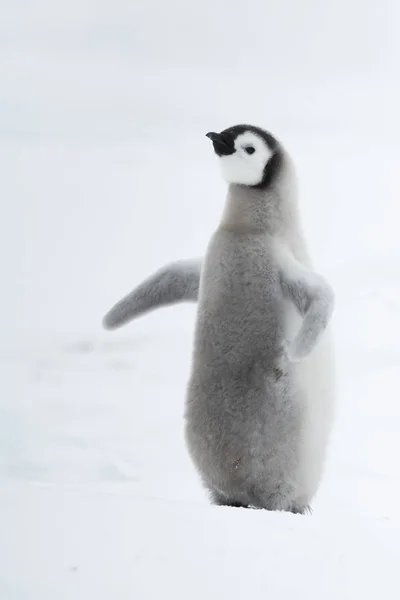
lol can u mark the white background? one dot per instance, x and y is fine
(105, 176)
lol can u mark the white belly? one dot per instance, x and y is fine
(315, 381)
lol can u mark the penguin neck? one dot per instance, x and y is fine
(273, 211)
(249, 210)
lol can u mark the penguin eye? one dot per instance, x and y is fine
(250, 149)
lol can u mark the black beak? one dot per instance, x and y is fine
(223, 143)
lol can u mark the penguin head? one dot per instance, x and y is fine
(248, 155)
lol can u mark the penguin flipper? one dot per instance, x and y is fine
(314, 299)
(173, 283)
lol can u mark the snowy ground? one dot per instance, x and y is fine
(106, 176)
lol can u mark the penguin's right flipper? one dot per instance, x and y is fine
(173, 283)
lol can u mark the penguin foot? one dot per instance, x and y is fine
(301, 510)
(219, 499)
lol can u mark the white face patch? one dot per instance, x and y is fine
(244, 168)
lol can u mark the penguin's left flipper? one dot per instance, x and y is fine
(173, 283)
(314, 299)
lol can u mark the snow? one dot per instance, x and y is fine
(146, 547)
(106, 176)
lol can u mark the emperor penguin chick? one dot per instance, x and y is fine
(259, 403)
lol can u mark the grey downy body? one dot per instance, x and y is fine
(260, 395)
